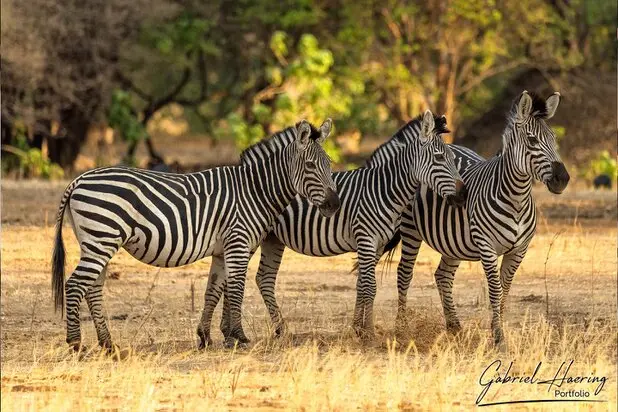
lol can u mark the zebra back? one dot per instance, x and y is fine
(405, 135)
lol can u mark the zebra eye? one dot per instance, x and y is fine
(440, 157)
(532, 139)
(310, 165)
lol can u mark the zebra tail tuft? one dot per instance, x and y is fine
(58, 255)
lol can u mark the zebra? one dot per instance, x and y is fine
(171, 220)
(372, 200)
(499, 217)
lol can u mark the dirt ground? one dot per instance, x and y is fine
(562, 306)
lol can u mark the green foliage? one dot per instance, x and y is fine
(243, 133)
(603, 164)
(31, 162)
(369, 65)
(121, 117)
(186, 33)
(301, 85)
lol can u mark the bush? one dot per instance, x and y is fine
(31, 162)
(603, 164)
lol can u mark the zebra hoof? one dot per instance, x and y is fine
(233, 343)
(203, 344)
(454, 328)
(365, 334)
(76, 345)
(280, 330)
(204, 340)
(499, 342)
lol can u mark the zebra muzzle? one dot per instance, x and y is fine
(330, 204)
(559, 178)
(460, 196)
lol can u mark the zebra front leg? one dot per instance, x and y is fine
(214, 289)
(236, 261)
(94, 298)
(445, 273)
(365, 289)
(510, 264)
(489, 259)
(410, 245)
(270, 261)
(81, 281)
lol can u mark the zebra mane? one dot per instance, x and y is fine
(400, 139)
(273, 144)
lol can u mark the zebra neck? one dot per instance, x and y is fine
(513, 185)
(268, 185)
(399, 182)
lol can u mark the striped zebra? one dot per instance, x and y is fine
(372, 200)
(170, 220)
(499, 218)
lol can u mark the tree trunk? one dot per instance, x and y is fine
(63, 149)
(7, 132)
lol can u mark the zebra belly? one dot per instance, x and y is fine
(445, 228)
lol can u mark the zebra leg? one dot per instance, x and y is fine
(410, 245)
(365, 289)
(510, 264)
(444, 280)
(489, 260)
(270, 261)
(87, 272)
(94, 298)
(216, 285)
(224, 326)
(236, 261)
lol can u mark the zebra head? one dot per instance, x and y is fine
(435, 166)
(311, 167)
(535, 142)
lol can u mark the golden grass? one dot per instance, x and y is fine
(314, 375)
(321, 365)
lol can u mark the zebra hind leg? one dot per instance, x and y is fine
(94, 298)
(81, 281)
(216, 285)
(270, 261)
(444, 275)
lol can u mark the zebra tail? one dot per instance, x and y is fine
(389, 251)
(58, 255)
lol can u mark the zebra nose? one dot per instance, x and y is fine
(559, 178)
(460, 196)
(331, 203)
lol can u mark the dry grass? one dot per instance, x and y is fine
(320, 365)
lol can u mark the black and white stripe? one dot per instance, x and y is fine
(372, 200)
(499, 218)
(170, 220)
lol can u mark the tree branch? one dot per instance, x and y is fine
(203, 78)
(490, 73)
(125, 82)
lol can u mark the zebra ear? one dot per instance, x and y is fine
(325, 130)
(552, 104)
(427, 126)
(524, 107)
(303, 131)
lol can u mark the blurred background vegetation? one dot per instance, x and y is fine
(190, 83)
